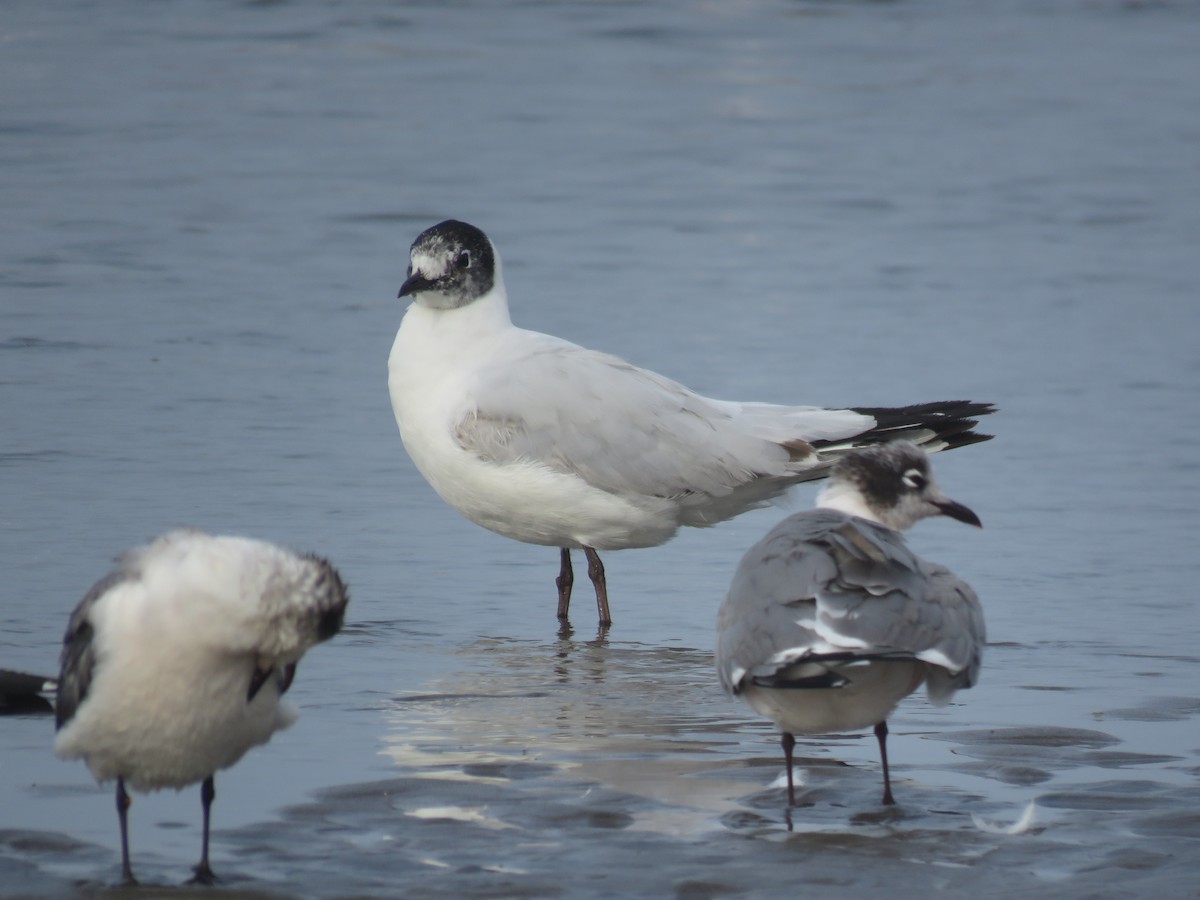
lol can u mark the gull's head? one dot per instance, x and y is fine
(451, 265)
(891, 484)
(328, 597)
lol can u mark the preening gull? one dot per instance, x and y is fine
(174, 664)
(831, 620)
(547, 442)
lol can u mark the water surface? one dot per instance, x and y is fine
(208, 209)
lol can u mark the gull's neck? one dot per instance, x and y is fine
(847, 499)
(479, 318)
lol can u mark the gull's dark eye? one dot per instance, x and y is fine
(914, 479)
(408, 274)
(464, 260)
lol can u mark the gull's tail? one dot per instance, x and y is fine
(941, 425)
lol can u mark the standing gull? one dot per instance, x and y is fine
(831, 620)
(174, 663)
(547, 442)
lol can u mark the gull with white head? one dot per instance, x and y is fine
(831, 620)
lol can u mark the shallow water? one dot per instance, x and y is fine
(208, 213)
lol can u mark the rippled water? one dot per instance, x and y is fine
(208, 208)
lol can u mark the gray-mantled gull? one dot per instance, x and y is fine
(547, 442)
(174, 663)
(831, 620)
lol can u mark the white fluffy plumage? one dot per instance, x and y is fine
(174, 664)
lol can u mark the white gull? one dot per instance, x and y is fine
(174, 664)
(547, 442)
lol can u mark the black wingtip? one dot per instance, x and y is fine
(822, 682)
(950, 421)
(22, 693)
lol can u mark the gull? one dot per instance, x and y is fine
(173, 664)
(547, 442)
(831, 620)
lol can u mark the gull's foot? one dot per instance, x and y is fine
(202, 874)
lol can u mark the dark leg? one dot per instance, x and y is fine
(566, 578)
(881, 733)
(596, 573)
(789, 742)
(204, 875)
(123, 803)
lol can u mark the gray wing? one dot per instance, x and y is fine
(283, 675)
(622, 429)
(887, 598)
(963, 630)
(78, 655)
(768, 617)
(825, 586)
